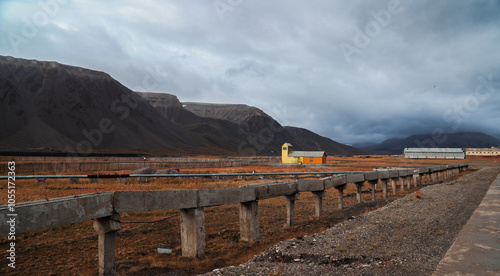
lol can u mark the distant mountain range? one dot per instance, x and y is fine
(47, 107)
(449, 140)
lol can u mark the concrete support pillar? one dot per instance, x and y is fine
(249, 221)
(373, 183)
(433, 177)
(416, 180)
(340, 189)
(384, 187)
(402, 182)
(318, 202)
(193, 232)
(408, 182)
(359, 186)
(393, 184)
(290, 208)
(106, 228)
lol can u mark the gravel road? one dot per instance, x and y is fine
(406, 237)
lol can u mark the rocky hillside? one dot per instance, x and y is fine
(47, 107)
(246, 129)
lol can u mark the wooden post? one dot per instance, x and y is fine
(193, 232)
(249, 221)
(106, 228)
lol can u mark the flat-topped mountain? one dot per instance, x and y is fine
(248, 129)
(236, 113)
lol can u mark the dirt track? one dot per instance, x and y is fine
(407, 237)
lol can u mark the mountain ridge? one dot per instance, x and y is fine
(52, 107)
(257, 132)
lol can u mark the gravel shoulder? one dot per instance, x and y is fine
(409, 236)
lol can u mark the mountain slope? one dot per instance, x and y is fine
(262, 133)
(64, 108)
(51, 107)
(449, 140)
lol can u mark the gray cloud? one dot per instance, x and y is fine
(353, 71)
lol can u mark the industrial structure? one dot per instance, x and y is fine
(482, 151)
(289, 156)
(434, 153)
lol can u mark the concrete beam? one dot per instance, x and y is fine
(249, 221)
(42, 214)
(371, 176)
(305, 185)
(355, 177)
(193, 232)
(136, 201)
(336, 181)
(383, 174)
(217, 197)
(393, 174)
(265, 191)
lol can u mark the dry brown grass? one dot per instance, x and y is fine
(72, 249)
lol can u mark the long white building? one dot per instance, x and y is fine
(434, 153)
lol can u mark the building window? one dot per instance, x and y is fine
(284, 148)
(311, 159)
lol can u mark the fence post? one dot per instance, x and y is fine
(193, 232)
(106, 228)
(249, 221)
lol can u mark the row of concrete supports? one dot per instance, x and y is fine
(192, 219)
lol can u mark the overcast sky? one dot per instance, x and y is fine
(354, 71)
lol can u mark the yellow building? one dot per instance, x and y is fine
(482, 151)
(288, 155)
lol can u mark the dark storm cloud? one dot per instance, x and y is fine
(353, 71)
